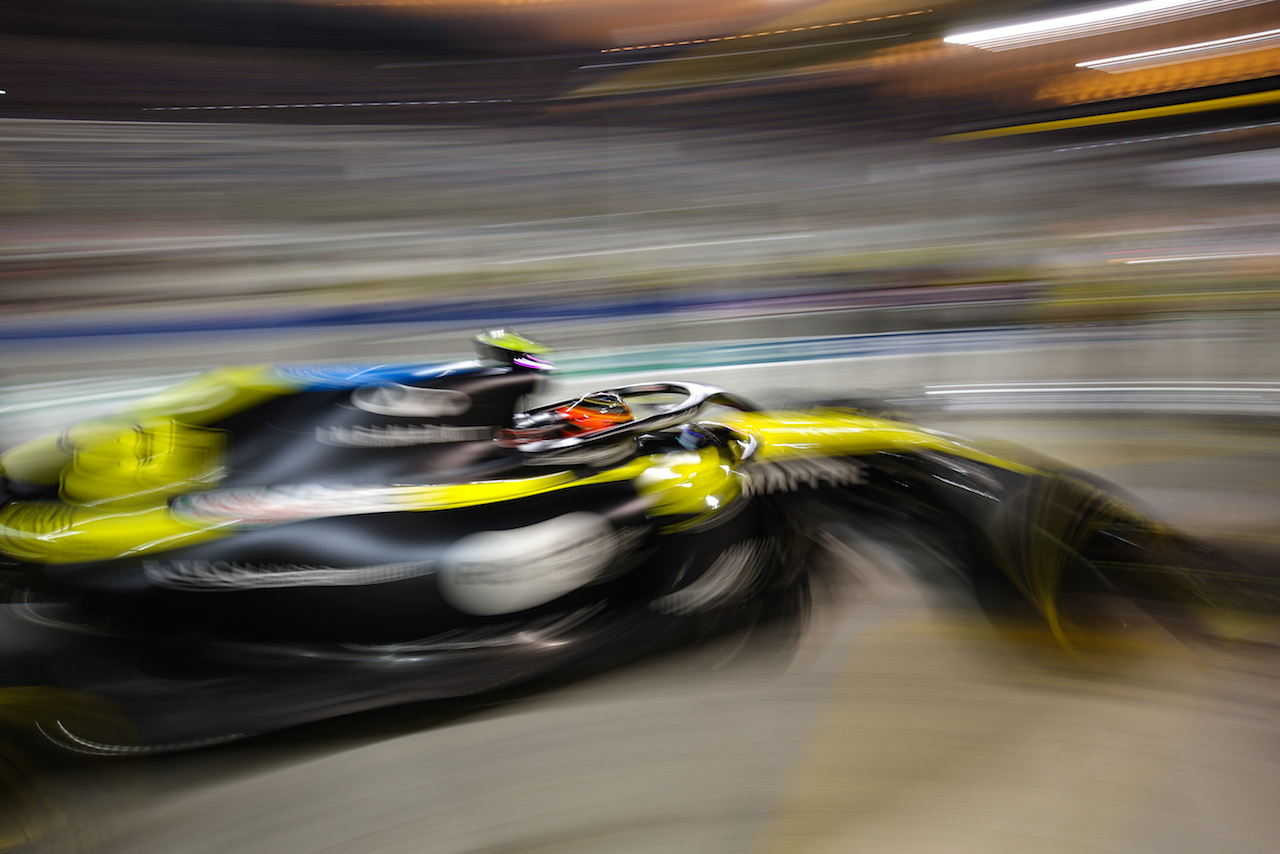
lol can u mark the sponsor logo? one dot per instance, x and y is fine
(730, 578)
(408, 400)
(808, 473)
(398, 435)
(500, 572)
(227, 575)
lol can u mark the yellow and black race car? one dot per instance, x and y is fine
(262, 547)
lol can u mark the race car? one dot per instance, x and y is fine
(266, 546)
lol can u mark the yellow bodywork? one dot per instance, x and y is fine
(116, 477)
(840, 432)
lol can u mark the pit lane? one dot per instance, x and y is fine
(900, 719)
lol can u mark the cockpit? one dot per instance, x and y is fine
(589, 414)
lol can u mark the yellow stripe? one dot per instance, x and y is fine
(835, 432)
(454, 495)
(1251, 100)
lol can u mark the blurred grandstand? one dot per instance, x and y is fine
(883, 62)
(760, 157)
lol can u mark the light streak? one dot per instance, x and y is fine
(785, 30)
(1092, 22)
(1182, 53)
(656, 248)
(752, 52)
(1090, 387)
(1217, 257)
(341, 104)
(1168, 136)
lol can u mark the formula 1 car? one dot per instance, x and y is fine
(263, 547)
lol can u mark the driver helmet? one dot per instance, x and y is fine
(593, 412)
(510, 348)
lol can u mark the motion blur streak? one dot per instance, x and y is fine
(1236, 101)
(778, 32)
(1093, 22)
(1156, 58)
(750, 194)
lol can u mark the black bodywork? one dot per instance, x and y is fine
(347, 603)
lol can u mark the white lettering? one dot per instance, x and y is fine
(809, 473)
(399, 435)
